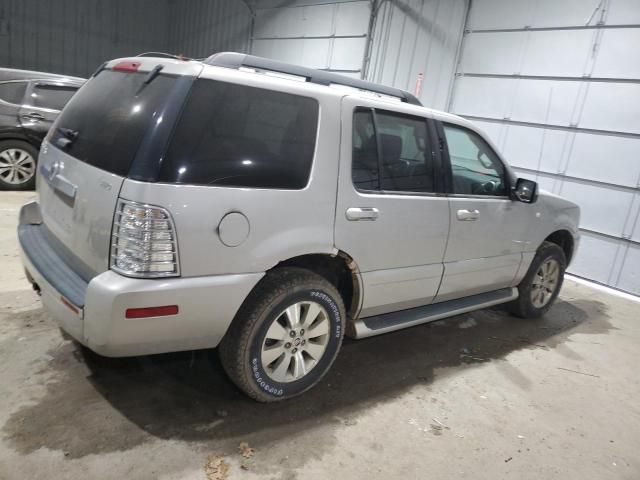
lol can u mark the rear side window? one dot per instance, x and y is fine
(391, 152)
(241, 136)
(54, 97)
(12, 92)
(108, 118)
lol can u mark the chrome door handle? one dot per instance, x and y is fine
(36, 117)
(362, 213)
(468, 215)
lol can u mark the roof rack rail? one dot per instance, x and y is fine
(238, 60)
(163, 55)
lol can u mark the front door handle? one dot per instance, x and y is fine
(468, 215)
(362, 213)
(33, 116)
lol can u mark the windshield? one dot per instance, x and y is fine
(105, 122)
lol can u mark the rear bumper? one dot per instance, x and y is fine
(207, 305)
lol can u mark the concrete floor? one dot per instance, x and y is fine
(478, 396)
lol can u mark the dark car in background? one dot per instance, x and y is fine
(29, 103)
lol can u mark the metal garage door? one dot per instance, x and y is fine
(325, 35)
(557, 86)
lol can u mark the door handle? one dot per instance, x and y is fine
(468, 215)
(355, 214)
(36, 117)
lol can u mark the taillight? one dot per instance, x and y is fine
(144, 242)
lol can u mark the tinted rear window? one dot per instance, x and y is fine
(241, 136)
(51, 96)
(111, 114)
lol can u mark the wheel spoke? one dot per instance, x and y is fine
(279, 373)
(315, 350)
(321, 327)
(311, 314)
(293, 315)
(276, 331)
(272, 353)
(299, 368)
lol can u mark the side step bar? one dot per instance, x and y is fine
(389, 322)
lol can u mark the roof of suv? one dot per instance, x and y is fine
(337, 84)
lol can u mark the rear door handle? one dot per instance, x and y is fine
(468, 215)
(33, 116)
(355, 214)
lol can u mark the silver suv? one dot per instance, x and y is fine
(269, 210)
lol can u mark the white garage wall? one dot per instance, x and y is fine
(325, 35)
(417, 36)
(556, 84)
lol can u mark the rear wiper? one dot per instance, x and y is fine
(149, 78)
(67, 132)
(153, 74)
(68, 137)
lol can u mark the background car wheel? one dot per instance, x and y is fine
(18, 162)
(542, 283)
(285, 336)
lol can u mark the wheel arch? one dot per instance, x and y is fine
(564, 239)
(339, 269)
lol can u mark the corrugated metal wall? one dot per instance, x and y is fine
(329, 36)
(416, 36)
(74, 37)
(557, 86)
(199, 28)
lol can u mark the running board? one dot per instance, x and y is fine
(389, 322)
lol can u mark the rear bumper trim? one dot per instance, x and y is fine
(37, 247)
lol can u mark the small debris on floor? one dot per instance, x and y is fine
(508, 460)
(245, 450)
(222, 413)
(216, 468)
(470, 322)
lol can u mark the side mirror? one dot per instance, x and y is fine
(525, 191)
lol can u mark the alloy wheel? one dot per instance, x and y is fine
(17, 166)
(545, 282)
(295, 342)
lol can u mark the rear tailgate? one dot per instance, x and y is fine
(113, 120)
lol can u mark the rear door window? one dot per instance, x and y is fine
(12, 92)
(241, 136)
(54, 97)
(108, 118)
(392, 152)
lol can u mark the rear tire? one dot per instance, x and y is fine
(542, 283)
(285, 336)
(18, 164)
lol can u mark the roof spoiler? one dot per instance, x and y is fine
(238, 60)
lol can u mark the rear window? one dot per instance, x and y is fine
(51, 96)
(12, 92)
(241, 136)
(108, 117)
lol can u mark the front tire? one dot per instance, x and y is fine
(285, 336)
(18, 162)
(542, 283)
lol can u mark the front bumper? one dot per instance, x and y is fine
(94, 313)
